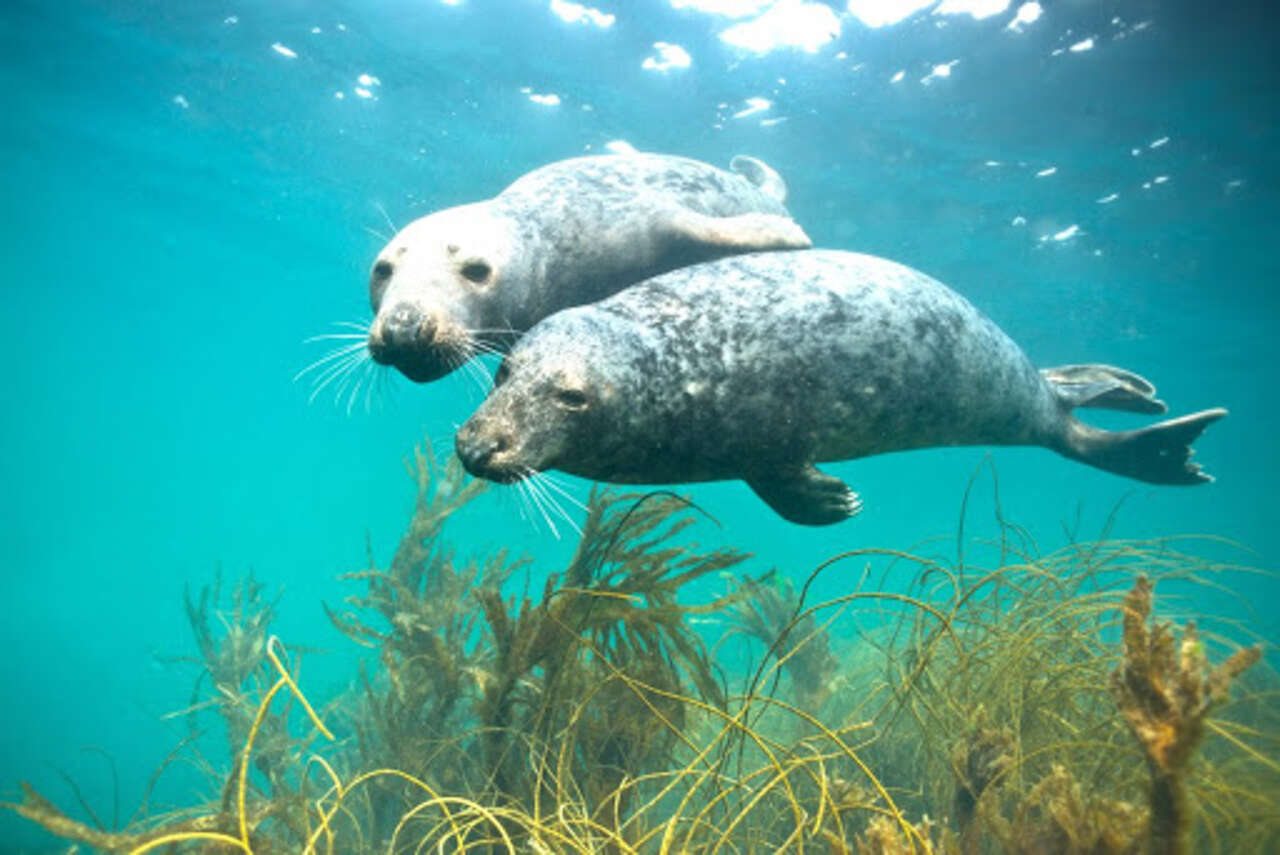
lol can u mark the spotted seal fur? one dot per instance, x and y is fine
(759, 366)
(473, 278)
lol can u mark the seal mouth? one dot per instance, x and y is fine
(489, 454)
(498, 471)
(421, 364)
(415, 343)
(423, 370)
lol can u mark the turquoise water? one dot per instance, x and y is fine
(184, 204)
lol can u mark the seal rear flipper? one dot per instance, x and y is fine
(806, 496)
(760, 174)
(1103, 387)
(1158, 454)
(743, 233)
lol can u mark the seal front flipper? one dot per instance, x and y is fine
(804, 495)
(759, 173)
(743, 233)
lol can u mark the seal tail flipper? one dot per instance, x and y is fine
(760, 174)
(1158, 454)
(1103, 387)
(806, 496)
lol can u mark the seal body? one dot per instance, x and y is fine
(473, 278)
(758, 366)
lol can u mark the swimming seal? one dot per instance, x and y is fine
(759, 366)
(473, 278)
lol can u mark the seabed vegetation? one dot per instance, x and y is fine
(1034, 705)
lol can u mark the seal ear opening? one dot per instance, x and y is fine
(761, 175)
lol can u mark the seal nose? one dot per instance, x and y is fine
(476, 449)
(403, 328)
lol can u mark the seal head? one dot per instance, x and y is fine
(437, 291)
(557, 401)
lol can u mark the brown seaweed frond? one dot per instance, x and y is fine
(1165, 692)
(885, 837)
(210, 829)
(1056, 816)
(978, 762)
(572, 662)
(769, 610)
(232, 635)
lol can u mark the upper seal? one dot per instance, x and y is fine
(473, 278)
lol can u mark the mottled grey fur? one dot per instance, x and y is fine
(569, 233)
(757, 366)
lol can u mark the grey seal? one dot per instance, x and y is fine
(473, 278)
(759, 366)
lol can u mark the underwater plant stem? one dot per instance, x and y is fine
(242, 784)
(1169, 820)
(272, 643)
(184, 836)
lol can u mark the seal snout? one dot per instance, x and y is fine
(402, 329)
(481, 450)
(408, 338)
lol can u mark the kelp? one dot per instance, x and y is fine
(1029, 707)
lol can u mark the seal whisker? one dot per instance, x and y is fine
(379, 235)
(331, 373)
(334, 336)
(526, 511)
(337, 353)
(483, 371)
(380, 387)
(383, 210)
(339, 372)
(470, 369)
(551, 482)
(465, 358)
(479, 377)
(344, 383)
(367, 381)
(535, 484)
(538, 503)
(361, 375)
(486, 348)
(361, 326)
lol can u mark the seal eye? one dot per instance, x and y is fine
(382, 270)
(504, 371)
(477, 272)
(571, 399)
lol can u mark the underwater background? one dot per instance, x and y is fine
(191, 190)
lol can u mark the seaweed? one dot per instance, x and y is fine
(1029, 707)
(1165, 694)
(766, 609)
(511, 698)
